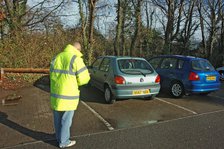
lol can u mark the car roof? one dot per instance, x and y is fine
(121, 57)
(178, 56)
(220, 68)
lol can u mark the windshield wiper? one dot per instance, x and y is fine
(139, 71)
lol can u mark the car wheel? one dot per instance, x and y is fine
(177, 89)
(109, 97)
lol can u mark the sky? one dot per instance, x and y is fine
(72, 9)
(102, 23)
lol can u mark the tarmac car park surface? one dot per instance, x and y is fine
(30, 122)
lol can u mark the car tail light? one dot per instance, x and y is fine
(193, 76)
(119, 80)
(157, 79)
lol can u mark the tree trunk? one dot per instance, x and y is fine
(172, 10)
(169, 27)
(213, 21)
(119, 28)
(123, 41)
(221, 48)
(222, 36)
(202, 27)
(147, 15)
(92, 8)
(83, 27)
(137, 27)
(1, 31)
(189, 27)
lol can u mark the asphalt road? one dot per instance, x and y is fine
(190, 122)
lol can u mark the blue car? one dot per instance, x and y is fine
(182, 75)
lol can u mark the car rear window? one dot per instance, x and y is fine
(155, 62)
(134, 66)
(202, 65)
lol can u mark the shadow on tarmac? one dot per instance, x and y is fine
(39, 136)
(91, 94)
(87, 93)
(43, 83)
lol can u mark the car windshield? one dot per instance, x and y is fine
(134, 66)
(202, 65)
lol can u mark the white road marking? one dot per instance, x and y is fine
(98, 116)
(158, 123)
(216, 96)
(117, 130)
(175, 105)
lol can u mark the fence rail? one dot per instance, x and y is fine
(22, 70)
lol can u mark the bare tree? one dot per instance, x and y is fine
(83, 21)
(125, 17)
(172, 9)
(202, 26)
(220, 60)
(15, 10)
(189, 27)
(92, 11)
(221, 48)
(213, 21)
(19, 15)
(138, 24)
(149, 12)
(117, 41)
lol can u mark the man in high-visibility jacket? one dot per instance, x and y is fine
(67, 73)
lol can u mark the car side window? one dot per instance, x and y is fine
(97, 63)
(155, 62)
(180, 64)
(169, 63)
(105, 65)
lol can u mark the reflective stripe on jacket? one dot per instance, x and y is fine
(67, 73)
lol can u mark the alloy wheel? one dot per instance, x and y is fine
(177, 90)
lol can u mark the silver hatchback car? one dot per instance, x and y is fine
(124, 77)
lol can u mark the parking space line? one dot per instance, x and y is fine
(175, 105)
(106, 123)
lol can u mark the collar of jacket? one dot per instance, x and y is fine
(72, 49)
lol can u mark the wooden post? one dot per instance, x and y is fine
(1, 75)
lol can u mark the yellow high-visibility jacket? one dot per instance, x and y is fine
(67, 73)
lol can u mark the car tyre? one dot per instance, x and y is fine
(109, 97)
(177, 89)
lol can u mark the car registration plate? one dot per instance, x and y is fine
(211, 78)
(141, 92)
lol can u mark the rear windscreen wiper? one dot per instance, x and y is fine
(141, 72)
